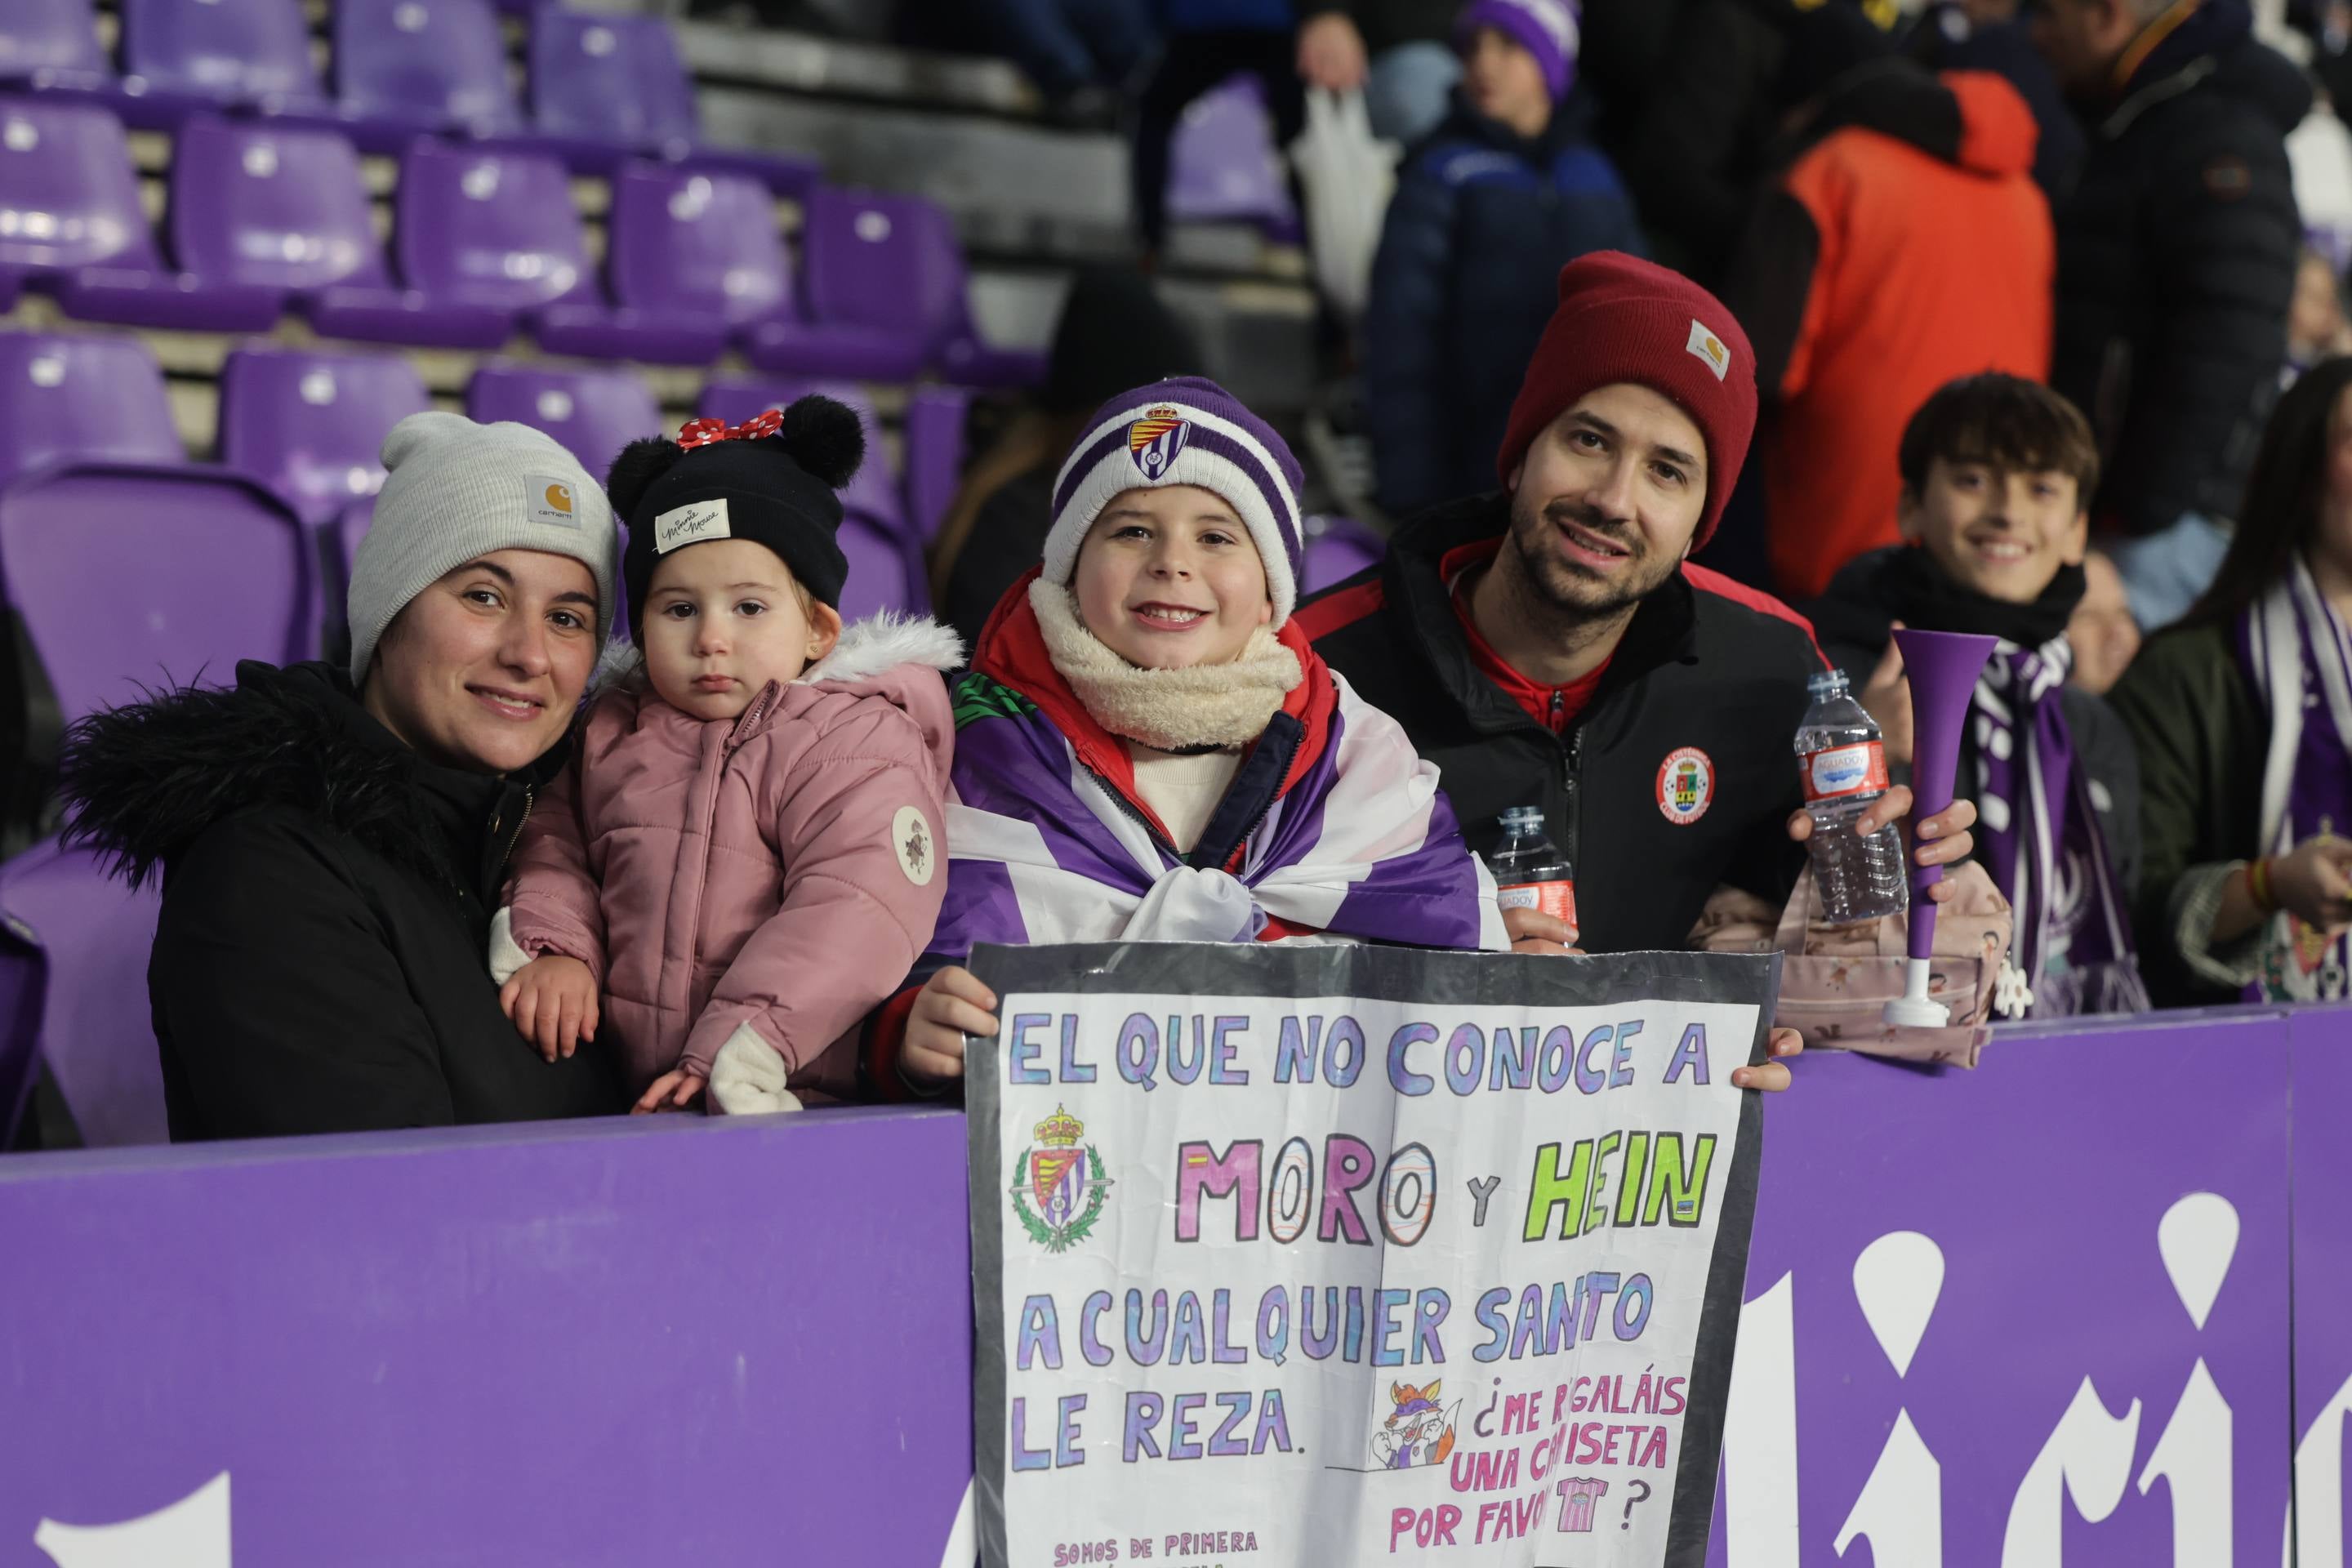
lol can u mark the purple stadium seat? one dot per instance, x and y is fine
(605, 88)
(128, 573)
(309, 424)
(125, 576)
(885, 573)
(874, 534)
(594, 413)
(367, 304)
(73, 993)
(273, 205)
(63, 398)
(1337, 549)
(935, 418)
(882, 295)
(52, 44)
(406, 67)
(697, 250)
(686, 240)
(182, 56)
(70, 222)
(486, 239)
(610, 86)
(69, 195)
(1224, 167)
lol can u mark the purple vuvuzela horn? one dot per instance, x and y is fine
(1941, 669)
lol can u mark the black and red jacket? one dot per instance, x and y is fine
(1680, 775)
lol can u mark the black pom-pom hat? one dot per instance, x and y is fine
(775, 481)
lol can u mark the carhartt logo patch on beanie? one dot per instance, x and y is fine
(1621, 319)
(1545, 28)
(1186, 430)
(454, 491)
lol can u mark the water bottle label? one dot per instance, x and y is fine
(1835, 772)
(1557, 900)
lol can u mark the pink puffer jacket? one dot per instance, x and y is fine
(768, 882)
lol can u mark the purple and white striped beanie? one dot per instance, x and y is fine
(1186, 430)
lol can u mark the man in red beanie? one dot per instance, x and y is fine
(1551, 646)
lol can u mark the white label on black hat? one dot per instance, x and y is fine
(690, 524)
(1709, 347)
(550, 501)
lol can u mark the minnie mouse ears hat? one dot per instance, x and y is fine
(774, 480)
(1186, 430)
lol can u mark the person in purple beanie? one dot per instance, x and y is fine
(1506, 191)
(1147, 749)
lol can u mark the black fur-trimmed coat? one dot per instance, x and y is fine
(319, 965)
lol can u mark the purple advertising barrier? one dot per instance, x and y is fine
(2029, 1315)
(664, 1341)
(2323, 1280)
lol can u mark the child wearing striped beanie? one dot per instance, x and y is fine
(1146, 749)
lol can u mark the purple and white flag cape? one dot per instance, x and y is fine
(1043, 849)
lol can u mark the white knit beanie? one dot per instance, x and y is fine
(455, 490)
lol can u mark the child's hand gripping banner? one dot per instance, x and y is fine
(1295, 1257)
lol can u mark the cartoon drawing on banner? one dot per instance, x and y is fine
(1580, 1500)
(1897, 1280)
(2197, 1237)
(1419, 1431)
(1067, 1180)
(193, 1532)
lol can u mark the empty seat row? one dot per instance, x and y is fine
(309, 424)
(262, 218)
(601, 88)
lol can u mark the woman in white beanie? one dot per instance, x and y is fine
(331, 839)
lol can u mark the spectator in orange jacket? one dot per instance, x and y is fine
(1907, 246)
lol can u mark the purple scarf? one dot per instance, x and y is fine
(2041, 839)
(2292, 646)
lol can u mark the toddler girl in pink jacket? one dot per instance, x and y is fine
(744, 858)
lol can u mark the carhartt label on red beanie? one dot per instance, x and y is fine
(1621, 319)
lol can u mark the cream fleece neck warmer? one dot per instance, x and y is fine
(1169, 709)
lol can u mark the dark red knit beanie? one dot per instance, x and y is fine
(1624, 318)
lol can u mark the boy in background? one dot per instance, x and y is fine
(1502, 194)
(1997, 475)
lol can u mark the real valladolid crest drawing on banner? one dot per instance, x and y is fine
(1317, 1254)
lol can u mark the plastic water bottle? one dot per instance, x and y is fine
(1530, 872)
(1845, 767)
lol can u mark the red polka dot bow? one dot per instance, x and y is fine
(702, 432)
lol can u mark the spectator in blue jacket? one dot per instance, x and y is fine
(1487, 210)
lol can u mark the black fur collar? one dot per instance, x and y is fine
(141, 782)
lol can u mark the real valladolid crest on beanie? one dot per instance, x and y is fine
(1547, 29)
(1621, 319)
(1186, 430)
(454, 491)
(773, 480)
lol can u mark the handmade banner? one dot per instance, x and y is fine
(1313, 1255)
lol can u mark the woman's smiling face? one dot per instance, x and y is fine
(1168, 578)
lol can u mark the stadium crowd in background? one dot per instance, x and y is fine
(2032, 315)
